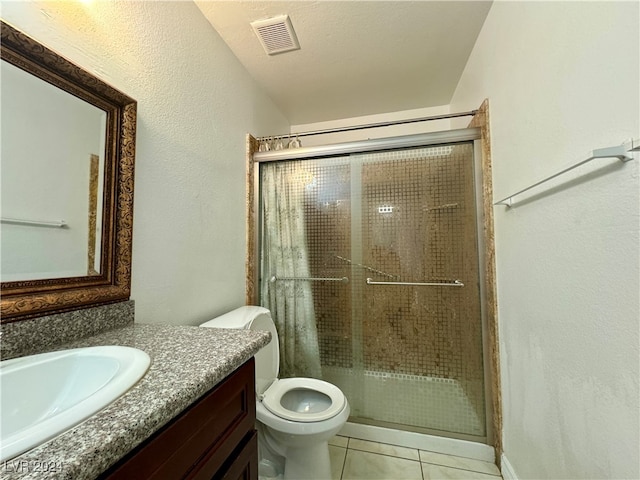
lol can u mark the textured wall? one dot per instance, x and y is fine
(195, 104)
(562, 79)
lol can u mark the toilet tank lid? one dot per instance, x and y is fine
(241, 317)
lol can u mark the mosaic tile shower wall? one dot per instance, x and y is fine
(405, 355)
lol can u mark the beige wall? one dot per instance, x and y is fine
(562, 79)
(195, 104)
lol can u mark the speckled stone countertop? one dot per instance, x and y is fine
(186, 362)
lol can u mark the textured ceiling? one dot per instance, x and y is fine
(356, 57)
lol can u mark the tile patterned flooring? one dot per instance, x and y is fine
(353, 459)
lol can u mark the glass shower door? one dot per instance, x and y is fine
(407, 355)
(421, 324)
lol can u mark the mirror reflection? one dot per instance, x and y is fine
(52, 182)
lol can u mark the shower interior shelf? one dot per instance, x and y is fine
(621, 152)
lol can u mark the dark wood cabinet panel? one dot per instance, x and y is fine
(214, 438)
(242, 464)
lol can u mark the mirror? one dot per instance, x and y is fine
(67, 152)
(52, 155)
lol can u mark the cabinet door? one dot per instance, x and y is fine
(209, 432)
(245, 466)
(242, 464)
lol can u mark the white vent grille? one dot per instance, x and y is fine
(276, 34)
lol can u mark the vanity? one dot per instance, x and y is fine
(191, 415)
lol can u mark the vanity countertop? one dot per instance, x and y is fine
(186, 362)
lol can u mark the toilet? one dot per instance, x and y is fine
(295, 416)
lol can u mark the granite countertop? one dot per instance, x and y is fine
(186, 362)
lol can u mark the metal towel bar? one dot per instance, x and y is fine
(619, 152)
(455, 283)
(34, 223)
(310, 279)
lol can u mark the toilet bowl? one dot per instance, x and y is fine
(295, 416)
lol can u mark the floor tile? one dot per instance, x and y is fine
(459, 462)
(384, 449)
(339, 441)
(439, 472)
(370, 466)
(337, 456)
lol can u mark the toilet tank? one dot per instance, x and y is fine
(239, 318)
(255, 318)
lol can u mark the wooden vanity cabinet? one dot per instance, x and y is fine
(215, 438)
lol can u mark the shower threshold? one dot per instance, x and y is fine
(414, 429)
(421, 441)
(420, 404)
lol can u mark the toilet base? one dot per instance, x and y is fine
(278, 461)
(296, 450)
(308, 463)
(270, 456)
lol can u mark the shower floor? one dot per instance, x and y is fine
(412, 401)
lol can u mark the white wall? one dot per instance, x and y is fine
(195, 105)
(562, 79)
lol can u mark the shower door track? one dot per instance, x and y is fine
(378, 144)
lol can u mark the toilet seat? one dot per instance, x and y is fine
(303, 399)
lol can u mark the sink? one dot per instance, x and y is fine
(43, 395)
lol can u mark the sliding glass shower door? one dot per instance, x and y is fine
(387, 250)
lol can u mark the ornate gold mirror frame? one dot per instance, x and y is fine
(29, 298)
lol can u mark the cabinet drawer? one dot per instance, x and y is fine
(209, 431)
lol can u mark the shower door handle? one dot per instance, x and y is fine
(455, 283)
(311, 279)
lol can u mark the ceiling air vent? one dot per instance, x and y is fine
(276, 34)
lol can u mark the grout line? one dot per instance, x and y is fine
(348, 447)
(458, 468)
(344, 462)
(463, 469)
(455, 456)
(386, 454)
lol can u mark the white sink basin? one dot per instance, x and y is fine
(43, 395)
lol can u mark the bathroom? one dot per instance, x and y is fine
(561, 79)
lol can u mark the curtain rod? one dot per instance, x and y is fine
(372, 125)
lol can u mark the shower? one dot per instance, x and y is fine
(377, 253)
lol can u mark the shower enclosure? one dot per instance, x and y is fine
(373, 257)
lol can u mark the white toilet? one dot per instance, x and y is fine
(296, 416)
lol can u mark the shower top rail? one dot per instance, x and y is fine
(445, 116)
(619, 152)
(310, 279)
(455, 283)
